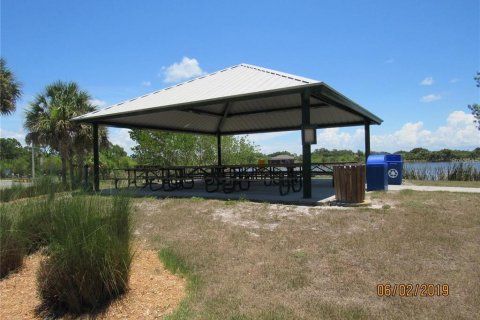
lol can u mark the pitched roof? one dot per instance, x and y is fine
(240, 99)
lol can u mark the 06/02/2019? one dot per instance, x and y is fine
(412, 290)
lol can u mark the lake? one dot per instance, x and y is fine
(432, 170)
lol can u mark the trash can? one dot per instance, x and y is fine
(349, 181)
(377, 177)
(395, 168)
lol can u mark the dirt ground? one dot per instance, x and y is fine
(153, 292)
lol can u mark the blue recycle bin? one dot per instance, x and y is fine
(377, 178)
(395, 168)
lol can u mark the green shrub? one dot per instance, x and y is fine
(35, 223)
(11, 245)
(89, 253)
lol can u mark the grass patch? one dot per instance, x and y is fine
(12, 248)
(88, 256)
(41, 186)
(34, 223)
(177, 265)
(320, 264)
(445, 183)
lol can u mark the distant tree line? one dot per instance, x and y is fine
(16, 160)
(445, 155)
(416, 154)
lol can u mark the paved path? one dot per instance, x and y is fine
(432, 188)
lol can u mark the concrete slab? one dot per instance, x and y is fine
(322, 193)
(433, 188)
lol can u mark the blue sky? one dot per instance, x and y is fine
(410, 62)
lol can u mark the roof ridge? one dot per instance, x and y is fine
(278, 73)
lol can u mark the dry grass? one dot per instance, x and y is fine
(284, 262)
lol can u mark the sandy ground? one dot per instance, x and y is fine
(153, 293)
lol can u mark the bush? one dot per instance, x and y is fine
(35, 223)
(11, 245)
(89, 254)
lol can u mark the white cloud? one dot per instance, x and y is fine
(431, 97)
(183, 70)
(458, 132)
(98, 103)
(19, 135)
(146, 83)
(275, 141)
(454, 80)
(390, 60)
(428, 81)
(122, 138)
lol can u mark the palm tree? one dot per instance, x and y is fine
(48, 121)
(9, 89)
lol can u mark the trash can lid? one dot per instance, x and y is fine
(393, 157)
(376, 159)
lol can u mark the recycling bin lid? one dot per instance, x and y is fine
(376, 159)
(393, 157)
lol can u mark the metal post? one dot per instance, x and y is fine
(96, 162)
(306, 151)
(219, 149)
(33, 162)
(367, 141)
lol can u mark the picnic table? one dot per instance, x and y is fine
(227, 178)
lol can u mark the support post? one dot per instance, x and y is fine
(367, 141)
(33, 161)
(306, 151)
(96, 162)
(219, 149)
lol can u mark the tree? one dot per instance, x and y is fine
(10, 90)
(114, 157)
(48, 120)
(475, 108)
(165, 149)
(10, 149)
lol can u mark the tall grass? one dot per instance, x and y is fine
(34, 223)
(89, 253)
(452, 172)
(41, 186)
(11, 245)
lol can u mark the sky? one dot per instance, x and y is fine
(411, 63)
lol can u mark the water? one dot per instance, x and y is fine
(433, 166)
(432, 170)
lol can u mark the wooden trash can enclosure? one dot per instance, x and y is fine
(349, 181)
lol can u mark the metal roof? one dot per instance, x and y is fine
(240, 99)
(282, 157)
